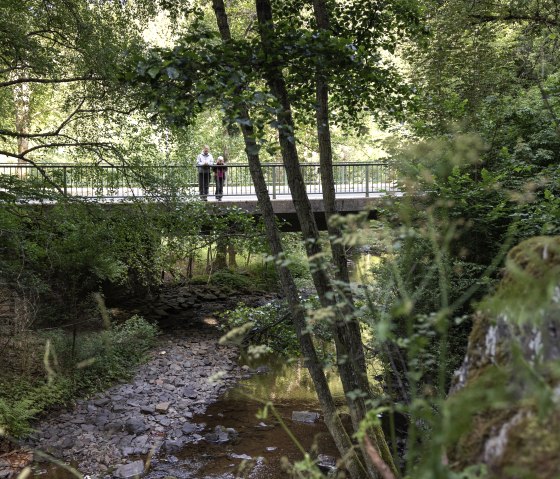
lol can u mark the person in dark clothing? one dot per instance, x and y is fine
(220, 170)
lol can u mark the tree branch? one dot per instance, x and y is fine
(15, 134)
(17, 81)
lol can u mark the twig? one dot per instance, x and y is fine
(378, 462)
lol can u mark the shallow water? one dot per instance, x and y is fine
(262, 442)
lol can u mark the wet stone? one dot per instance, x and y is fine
(132, 469)
(305, 416)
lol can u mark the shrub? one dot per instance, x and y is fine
(15, 417)
(93, 362)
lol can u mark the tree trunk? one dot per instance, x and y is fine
(232, 256)
(221, 254)
(350, 356)
(332, 419)
(337, 248)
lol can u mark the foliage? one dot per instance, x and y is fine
(270, 326)
(94, 362)
(231, 280)
(15, 417)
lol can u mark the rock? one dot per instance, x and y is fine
(190, 392)
(326, 463)
(173, 445)
(115, 426)
(244, 457)
(261, 426)
(221, 435)
(132, 469)
(189, 428)
(305, 416)
(135, 425)
(101, 402)
(162, 407)
(148, 409)
(271, 448)
(519, 323)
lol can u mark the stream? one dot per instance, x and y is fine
(206, 429)
(261, 442)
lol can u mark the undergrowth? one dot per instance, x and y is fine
(93, 362)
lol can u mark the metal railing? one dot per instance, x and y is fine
(107, 182)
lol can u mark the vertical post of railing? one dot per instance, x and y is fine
(65, 181)
(367, 181)
(273, 182)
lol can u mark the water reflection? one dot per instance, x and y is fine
(360, 267)
(285, 381)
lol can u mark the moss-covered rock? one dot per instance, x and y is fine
(505, 401)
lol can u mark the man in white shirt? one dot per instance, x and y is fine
(203, 162)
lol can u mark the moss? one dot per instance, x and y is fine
(532, 274)
(476, 412)
(533, 449)
(498, 401)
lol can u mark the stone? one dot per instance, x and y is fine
(101, 402)
(305, 416)
(130, 470)
(148, 409)
(243, 457)
(100, 421)
(173, 445)
(190, 392)
(140, 441)
(262, 426)
(164, 421)
(162, 406)
(189, 428)
(135, 425)
(326, 463)
(115, 426)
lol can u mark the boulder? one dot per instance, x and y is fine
(504, 381)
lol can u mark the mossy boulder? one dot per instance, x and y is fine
(505, 401)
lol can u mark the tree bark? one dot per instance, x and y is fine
(221, 255)
(232, 256)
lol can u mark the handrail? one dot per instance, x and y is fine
(101, 182)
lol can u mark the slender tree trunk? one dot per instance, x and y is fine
(332, 419)
(337, 248)
(350, 357)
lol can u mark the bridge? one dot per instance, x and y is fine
(359, 186)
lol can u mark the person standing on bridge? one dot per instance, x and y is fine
(220, 176)
(203, 163)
